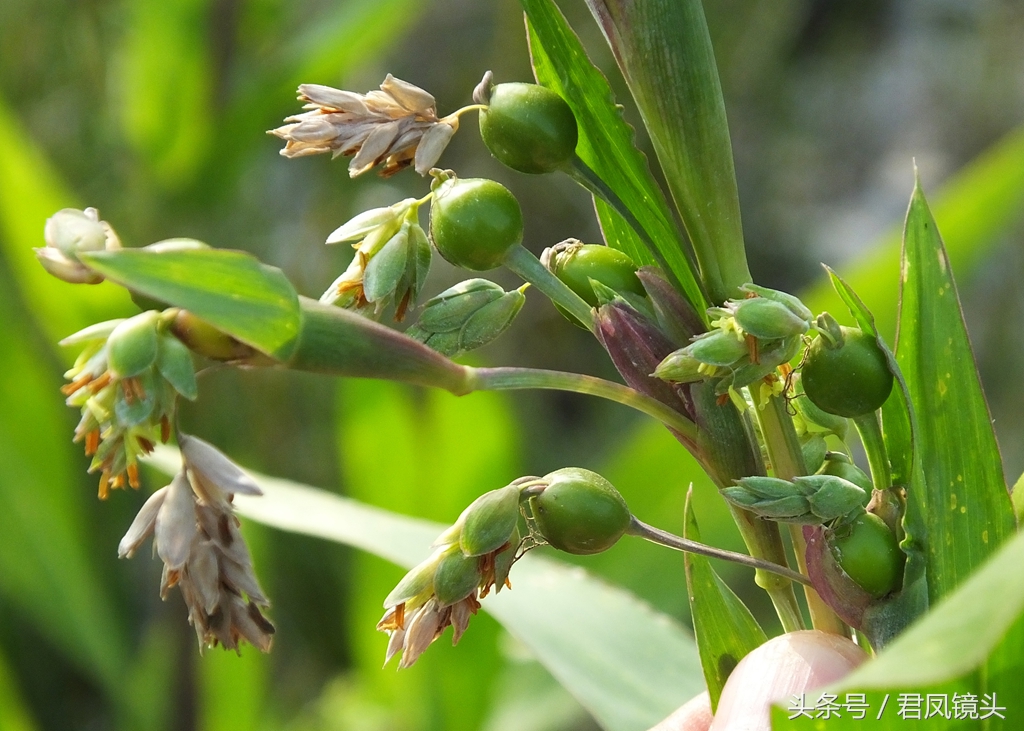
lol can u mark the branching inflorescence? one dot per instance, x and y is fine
(726, 381)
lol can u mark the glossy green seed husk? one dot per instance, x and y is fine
(529, 128)
(580, 512)
(474, 223)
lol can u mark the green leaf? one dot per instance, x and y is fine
(48, 570)
(975, 206)
(606, 146)
(725, 629)
(1017, 498)
(628, 665)
(231, 290)
(664, 50)
(969, 513)
(14, 714)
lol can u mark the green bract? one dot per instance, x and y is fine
(577, 264)
(768, 320)
(850, 380)
(132, 346)
(869, 554)
(529, 128)
(474, 222)
(456, 577)
(580, 512)
(838, 464)
(488, 523)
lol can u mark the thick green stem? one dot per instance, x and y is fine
(764, 541)
(870, 432)
(787, 461)
(510, 379)
(337, 342)
(528, 266)
(728, 451)
(669, 540)
(780, 439)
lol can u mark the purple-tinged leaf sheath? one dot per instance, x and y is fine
(676, 316)
(636, 347)
(835, 588)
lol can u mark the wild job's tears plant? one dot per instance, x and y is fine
(765, 394)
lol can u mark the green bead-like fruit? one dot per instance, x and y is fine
(475, 223)
(580, 512)
(529, 128)
(868, 553)
(851, 380)
(577, 265)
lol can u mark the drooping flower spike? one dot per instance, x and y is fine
(195, 534)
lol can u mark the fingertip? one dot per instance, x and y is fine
(785, 666)
(695, 715)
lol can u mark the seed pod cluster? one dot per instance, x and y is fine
(466, 316)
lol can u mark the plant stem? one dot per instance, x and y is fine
(764, 541)
(528, 266)
(510, 379)
(787, 460)
(870, 432)
(780, 439)
(670, 540)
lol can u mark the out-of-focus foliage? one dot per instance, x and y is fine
(155, 113)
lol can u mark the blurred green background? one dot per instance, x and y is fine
(155, 113)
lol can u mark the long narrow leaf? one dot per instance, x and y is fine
(664, 51)
(629, 666)
(969, 511)
(725, 629)
(47, 569)
(606, 143)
